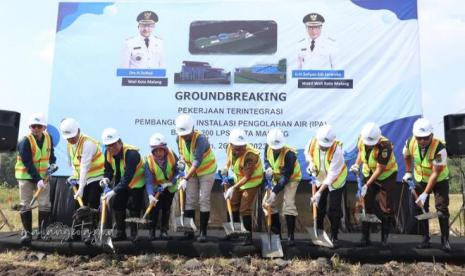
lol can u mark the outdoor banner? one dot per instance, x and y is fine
(253, 64)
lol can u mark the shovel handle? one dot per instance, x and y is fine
(36, 195)
(79, 199)
(181, 200)
(229, 206)
(103, 217)
(415, 197)
(39, 191)
(151, 206)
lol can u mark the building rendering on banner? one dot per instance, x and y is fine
(201, 72)
(262, 73)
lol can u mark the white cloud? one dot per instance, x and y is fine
(47, 48)
(442, 32)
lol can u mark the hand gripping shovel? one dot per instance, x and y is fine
(39, 190)
(363, 216)
(318, 236)
(425, 215)
(144, 219)
(104, 238)
(232, 229)
(271, 243)
(73, 184)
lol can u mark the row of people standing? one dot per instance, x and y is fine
(122, 164)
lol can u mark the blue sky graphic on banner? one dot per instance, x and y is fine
(237, 64)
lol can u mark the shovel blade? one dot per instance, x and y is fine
(319, 238)
(271, 249)
(235, 230)
(426, 216)
(107, 244)
(184, 224)
(367, 218)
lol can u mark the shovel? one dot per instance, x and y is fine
(184, 224)
(144, 219)
(318, 236)
(39, 190)
(232, 229)
(271, 243)
(104, 240)
(363, 216)
(425, 215)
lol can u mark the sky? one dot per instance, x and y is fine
(28, 33)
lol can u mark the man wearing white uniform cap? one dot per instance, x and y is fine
(315, 51)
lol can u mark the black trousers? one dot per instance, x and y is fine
(383, 192)
(163, 206)
(132, 199)
(441, 197)
(335, 206)
(91, 196)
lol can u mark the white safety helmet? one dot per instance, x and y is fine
(157, 140)
(184, 125)
(37, 119)
(109, 136)
(326, 136)
(275, 139)
(371, 133)
(422, 128)
(237, 137)
(69, 128)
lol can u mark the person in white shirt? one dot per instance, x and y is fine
(326, 163)
(87, 161)
(144, 51)
(315, 51)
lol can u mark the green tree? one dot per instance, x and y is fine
(7, 169)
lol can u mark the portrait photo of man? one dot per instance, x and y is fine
(145, 50)
(315, 51)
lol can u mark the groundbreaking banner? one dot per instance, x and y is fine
(295, 65)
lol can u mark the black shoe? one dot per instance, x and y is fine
(444, 225)
(335, 242)
(204, 217)
(290, 222)
(188, 236)
(365, 241)
(44, 221)
(88, 240)
(26, 219)
(164, 235)
(120, 222)
(247, 222)
(74, 237)
(152, 234)
(247, 240)
(202, 238)
(425, 244)
(445, 245)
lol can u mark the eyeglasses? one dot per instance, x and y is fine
(37, 126)
(111, 145)
(423, 138)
